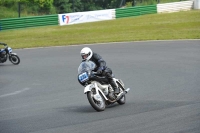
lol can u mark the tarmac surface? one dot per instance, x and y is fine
(42, 94)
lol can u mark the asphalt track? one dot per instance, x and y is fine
(42, 94)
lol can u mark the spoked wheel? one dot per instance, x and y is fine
(96, 101)
(123, 99)
(14, 59)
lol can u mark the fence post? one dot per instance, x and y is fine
(73, 5)
(134, 3)
(19, 9)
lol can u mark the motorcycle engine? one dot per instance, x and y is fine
(3, 56)
(111, 93)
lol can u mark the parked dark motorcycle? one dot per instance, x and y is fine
(99, 92)
(6, 53)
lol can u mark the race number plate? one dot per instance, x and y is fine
(83, 77)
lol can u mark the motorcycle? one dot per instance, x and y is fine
(99, 92)
(6, 53)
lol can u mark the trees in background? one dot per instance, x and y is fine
(60, 6)
(45, 7)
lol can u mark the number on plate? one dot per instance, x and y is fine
(83, 77)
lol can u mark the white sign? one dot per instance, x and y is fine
(83, 17)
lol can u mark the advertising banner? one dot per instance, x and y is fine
(83, 17)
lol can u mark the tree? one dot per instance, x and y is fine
(43, 4)
(62, 6)
(91, 5)
(77, 5)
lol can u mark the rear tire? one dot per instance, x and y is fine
(123, 99)
(97, 105)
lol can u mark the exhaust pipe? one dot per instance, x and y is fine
(127, 90)
(121, 95)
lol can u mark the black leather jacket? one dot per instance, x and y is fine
(101, 64)
(98, 60)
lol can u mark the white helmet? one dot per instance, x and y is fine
(86, 53)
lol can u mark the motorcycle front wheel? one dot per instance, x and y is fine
(14, 59)
(98, 105)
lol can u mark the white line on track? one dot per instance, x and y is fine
(14, 93)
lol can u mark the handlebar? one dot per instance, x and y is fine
(3, 43)
(95, 73)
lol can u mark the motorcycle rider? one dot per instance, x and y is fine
(87, 54)
(1, 43)
(2, 53)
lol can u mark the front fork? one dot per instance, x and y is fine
(10, 55)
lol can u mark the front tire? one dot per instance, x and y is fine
(14, 59)
(97, 105)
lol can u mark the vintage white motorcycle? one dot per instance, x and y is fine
(99, 92)
(6, 53)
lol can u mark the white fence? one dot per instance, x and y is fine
(196, 4)
(175, 6)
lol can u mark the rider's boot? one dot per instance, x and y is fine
(114, 86)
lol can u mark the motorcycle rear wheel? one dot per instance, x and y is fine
(123, 99)
(97, 105)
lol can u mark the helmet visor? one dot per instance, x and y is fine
(84, 56)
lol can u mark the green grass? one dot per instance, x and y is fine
(168, 26)
(13, 12)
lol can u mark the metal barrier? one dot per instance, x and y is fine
(15, 23)
(135, 11)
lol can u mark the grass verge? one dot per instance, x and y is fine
(166, 26)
